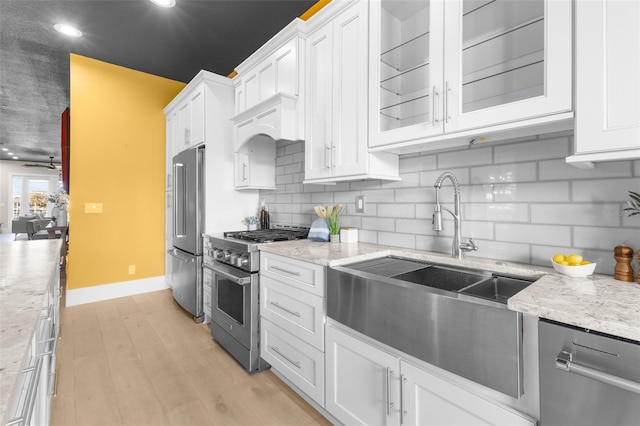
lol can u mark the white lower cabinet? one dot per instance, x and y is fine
(292, 317)
(369, 386)
(299, 362)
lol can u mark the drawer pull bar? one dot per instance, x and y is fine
(564, 361)
(277, 305)
(277, 268)
(276, 350)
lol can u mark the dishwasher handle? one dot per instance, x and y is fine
(564, 361)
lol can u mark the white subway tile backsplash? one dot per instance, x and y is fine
(604, 238)
(379, 196)
(397, 240)
(417, 163)
(496, 212)
(378, 224)
(534, 234)
(465, 158)
(284, 179)
(366, 236)
(505, 173)
(520, 201)
(408, 180)
(534, 150)
(559, 170)
(499, 250)
(428, 179)
(433, 243)
(531, 192)
(397, 210)
(414, 226)
(414, 195)
(324, 198)
(575, 214)
(604, 189)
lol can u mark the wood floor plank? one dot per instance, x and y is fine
(189, 414)
(96, 402)
(151, 364)
(167, 378)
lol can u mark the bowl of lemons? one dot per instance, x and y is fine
(573, 265)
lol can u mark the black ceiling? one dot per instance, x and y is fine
(174, 43)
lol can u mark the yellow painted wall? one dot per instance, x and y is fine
(117, 158)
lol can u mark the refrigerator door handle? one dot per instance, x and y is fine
(174, 253)
(179, 202)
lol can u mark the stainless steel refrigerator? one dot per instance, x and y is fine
(188, 225)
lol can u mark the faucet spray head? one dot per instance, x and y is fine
(437, 219)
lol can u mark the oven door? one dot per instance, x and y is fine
(234, 303)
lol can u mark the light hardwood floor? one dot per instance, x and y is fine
(141, 360)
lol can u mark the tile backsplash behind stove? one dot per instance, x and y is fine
(520, 201)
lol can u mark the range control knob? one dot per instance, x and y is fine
(242, 261)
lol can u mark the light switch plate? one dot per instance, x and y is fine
(93, 207)
(359, 203)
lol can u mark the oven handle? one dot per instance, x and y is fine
(229, 275)
(564, 361)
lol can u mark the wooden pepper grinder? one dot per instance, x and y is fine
(623, 270)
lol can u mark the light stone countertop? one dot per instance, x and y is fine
(597, 302)
(26, 269)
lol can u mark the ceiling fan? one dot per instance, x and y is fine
(49, 166)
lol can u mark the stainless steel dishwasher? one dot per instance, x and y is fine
(587, 378)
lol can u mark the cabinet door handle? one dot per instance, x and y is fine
(333, 156)
(434, 94)
(277, 305)
(403, 413)
(447, 91)
(327, 164)
(277, 268)
(244, 171)
(276, 350)
(187, 136)
(389, 403)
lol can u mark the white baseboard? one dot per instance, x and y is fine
(98, 293)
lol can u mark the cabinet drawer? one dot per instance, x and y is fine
(299, 362)
(298, 312)
(302, 275)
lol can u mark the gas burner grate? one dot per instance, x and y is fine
(270, 235)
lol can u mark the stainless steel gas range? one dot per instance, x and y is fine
(231, 263)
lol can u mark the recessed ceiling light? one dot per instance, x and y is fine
(68, 30)
(15, 158)
(5, 149)
(165, 3)
(10, 153)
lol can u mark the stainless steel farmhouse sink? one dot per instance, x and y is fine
(451, 317)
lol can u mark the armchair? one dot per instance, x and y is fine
(29, 225)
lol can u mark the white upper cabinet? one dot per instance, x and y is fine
(441, 69)
(607, 82)
(268, 99)
(190, 127)
(336, 91)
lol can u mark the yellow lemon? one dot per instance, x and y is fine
(574, 258)
(559, 258)
(585, 262)
(563, 262)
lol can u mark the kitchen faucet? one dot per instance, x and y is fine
(458, 247)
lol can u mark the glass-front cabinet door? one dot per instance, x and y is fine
(406, 70)
(445, 66)
(508, 60)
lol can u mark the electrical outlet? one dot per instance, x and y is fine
(360, 204)
(132, 269)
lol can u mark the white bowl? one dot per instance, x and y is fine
(574, 271)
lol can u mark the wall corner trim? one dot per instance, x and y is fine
(99, 293)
